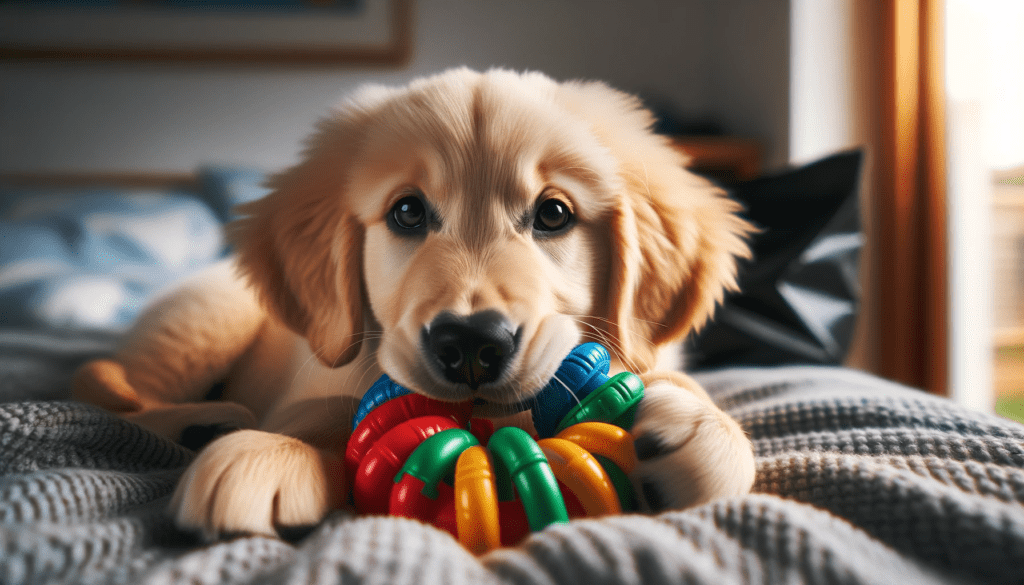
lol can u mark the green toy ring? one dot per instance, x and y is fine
(526, 464)
(613, 402)
(435, 459)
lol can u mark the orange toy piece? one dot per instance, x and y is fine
(476, 501)
(599, 438)
(581, 472)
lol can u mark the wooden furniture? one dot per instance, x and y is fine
(721, 157)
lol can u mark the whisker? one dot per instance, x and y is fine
(606, 320)
(309, 369)
(360, 369)
(603, 336)
(363, 367)
(567, 388)
(314, 357)
(613, 344)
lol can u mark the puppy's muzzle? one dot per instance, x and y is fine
(471, 350)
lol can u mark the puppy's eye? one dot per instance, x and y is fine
(552, 215)
(409, 213)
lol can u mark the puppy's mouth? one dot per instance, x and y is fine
(508, 376)
(487, 409)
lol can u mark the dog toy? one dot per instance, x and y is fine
(417, 457)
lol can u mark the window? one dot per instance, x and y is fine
(985, 130)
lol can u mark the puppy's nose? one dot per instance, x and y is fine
(471, 350)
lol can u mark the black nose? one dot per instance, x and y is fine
(470, 350)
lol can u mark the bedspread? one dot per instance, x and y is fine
(859, 480)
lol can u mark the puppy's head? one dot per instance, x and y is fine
(475, 226)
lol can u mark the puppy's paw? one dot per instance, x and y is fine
(253, 482)
(105, 384)
(689, 451)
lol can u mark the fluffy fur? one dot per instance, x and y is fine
(325, 295)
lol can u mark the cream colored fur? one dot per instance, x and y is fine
(323, 296)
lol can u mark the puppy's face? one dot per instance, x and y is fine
(484, 211)
(477, 226)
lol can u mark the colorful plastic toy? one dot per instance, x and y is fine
(413, 456)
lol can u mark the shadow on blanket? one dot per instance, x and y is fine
(859, 481)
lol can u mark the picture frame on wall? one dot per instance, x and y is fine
(315, 32)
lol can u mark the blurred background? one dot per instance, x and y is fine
(132, 114)
(139, 94)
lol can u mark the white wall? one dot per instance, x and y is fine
(832, 78)
(750, 72)
(821, 90)
(727, 59)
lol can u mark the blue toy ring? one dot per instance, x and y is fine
(582, 371)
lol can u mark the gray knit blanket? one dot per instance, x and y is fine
(859, 481)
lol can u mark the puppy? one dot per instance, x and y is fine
(461, 234)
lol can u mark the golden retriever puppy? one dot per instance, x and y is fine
(461, 234)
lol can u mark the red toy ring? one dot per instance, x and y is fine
(371, 490)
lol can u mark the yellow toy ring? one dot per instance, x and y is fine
(605, 439)
(583, 475)
(476, 501)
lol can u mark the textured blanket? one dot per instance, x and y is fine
(859, 481)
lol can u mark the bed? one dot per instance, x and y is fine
(859, 480)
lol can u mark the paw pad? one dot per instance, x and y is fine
(196, 437)
(649, 446)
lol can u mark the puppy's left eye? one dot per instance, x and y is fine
(552, 215)
(409, 213)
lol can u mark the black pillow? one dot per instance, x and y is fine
(799, 295)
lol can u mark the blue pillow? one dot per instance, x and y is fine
(91, 259)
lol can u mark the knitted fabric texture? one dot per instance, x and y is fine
(859, 481)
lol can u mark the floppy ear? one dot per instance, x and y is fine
(675, 236)
(302, 249)
(675, 244)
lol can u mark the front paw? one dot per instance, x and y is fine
(253, 482)
(689, 451)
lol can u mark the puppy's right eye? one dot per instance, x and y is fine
(408, 213)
